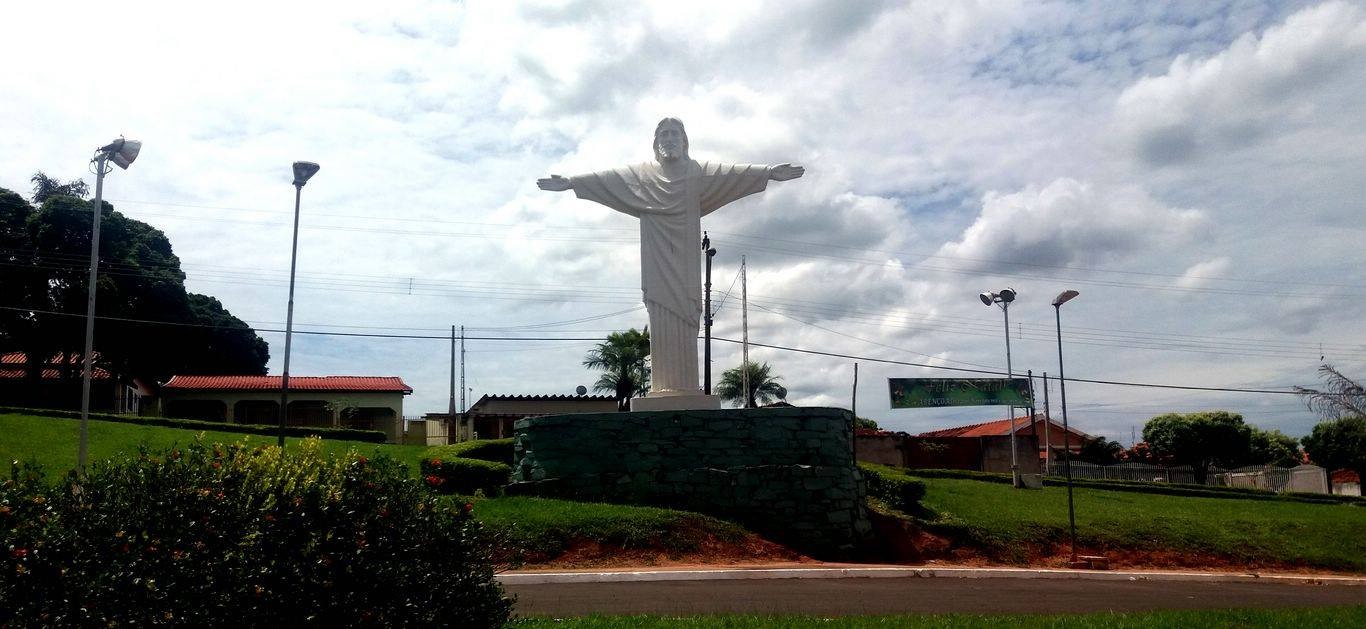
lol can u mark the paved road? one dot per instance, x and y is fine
(849, 596)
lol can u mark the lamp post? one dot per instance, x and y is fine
(302, 172)
(122, 152)
(1004, 298)
(706, 314)
(1061, 299)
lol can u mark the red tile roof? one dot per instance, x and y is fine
(993, 428)
(15, 365)
(366, 384)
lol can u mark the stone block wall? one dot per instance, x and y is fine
(786, 473)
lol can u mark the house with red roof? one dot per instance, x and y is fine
(493, 415)
(362, 402)
(1045, 430)
(56, 383)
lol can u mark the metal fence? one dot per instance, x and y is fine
(1304, 478)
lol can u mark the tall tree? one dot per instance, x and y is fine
(139, 280)
(623, 360)
(1273, 447)
(1199, 440)
(45, 187)
(763, 385)
(1100, 451)
(1338, 444)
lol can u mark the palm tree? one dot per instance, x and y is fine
(763, 387)
(623, 359)
(45, 187)
(1340, 397)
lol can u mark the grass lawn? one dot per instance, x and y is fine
(1316, 617)
(52, 442)
(543, 526)
(1003, 521)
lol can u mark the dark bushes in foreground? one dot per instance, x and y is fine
(209, 535)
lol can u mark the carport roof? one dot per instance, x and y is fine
(359, 384)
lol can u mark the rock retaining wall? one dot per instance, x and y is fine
(787, 473)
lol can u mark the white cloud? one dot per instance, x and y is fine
(1201, 273)
(1070, 222)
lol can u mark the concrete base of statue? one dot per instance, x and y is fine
(676, 401)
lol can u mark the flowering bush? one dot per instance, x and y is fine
(465, 476)
(214, 535)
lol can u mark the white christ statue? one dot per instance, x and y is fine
(670, 196)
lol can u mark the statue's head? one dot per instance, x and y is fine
(671, 141)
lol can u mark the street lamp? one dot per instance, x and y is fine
(1061, 299)
(302, 172)
(1004, 298)
(706, 314)
(122, 152)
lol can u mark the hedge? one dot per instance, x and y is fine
(465, 476)
(212, 535)
(893, 487)
(344, 434)
(496, 450)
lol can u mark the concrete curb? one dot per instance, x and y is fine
(539, 578)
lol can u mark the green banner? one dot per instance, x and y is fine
(931, 392)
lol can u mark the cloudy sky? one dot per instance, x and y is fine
(1194, 169)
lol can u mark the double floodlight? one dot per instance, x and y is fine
(303, 171)
(121, 151)
(1006, 296)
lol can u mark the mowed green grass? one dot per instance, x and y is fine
(1230, 618)
(546, 527)
(52, 442)
(1007, 522)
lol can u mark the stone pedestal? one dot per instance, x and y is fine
(686, 402)
(786, 473)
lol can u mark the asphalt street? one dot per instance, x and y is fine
(862, 596)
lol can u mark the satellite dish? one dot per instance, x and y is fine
(581, 389)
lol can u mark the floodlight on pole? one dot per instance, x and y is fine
(303, 171)
(1004, 297)
(122, 152)
(1061, 299)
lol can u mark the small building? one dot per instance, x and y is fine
(492, 416)
(1037, 426)
(362, 402)
(58, 385)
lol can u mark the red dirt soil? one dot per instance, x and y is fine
(754, 551)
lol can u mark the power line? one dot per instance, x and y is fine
(596, 339)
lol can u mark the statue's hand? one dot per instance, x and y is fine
(784, 172)
(554, 183)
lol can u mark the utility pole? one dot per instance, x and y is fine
(1047, 421)
(853, 400)
(744, 332)
(462, 369)
(707, 319)
(450, 410)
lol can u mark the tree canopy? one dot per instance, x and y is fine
(1339, 443)
(763, 385)
(623, 358)
(149, 326)
(1199, 440)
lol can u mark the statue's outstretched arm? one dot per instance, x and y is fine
(556, 183)
(784, 172)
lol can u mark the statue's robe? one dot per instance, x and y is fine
(670, 212)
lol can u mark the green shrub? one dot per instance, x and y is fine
(214, 535)
(893, 487)
(344, 434)
(496, 450)
(465, 476)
